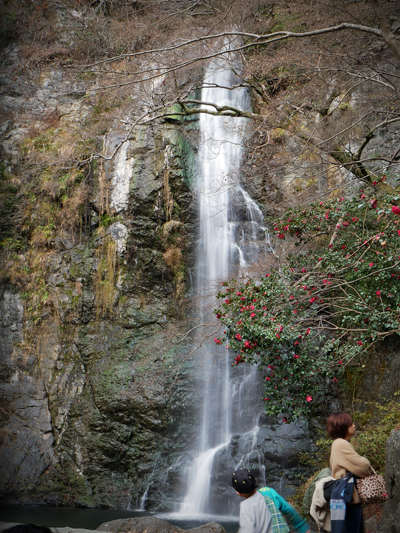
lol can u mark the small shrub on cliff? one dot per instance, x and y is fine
(173, 258)
(104, 278)
(326, 306)
(373, 431)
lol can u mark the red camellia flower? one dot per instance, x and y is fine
(359, 343)
(395, 210)
(268, 379)
(371, 264)
(239, 337)
(378, 293)
(217, 341)
(296, 356)
(309, 399)
(335, 379)
(343, 246)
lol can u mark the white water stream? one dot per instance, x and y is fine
(231, 236)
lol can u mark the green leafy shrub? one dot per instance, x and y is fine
(374, 430)
(327, 305)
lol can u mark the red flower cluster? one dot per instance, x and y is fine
(238, 359)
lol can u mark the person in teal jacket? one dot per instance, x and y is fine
(263, 510)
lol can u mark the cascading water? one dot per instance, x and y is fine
(231, 236)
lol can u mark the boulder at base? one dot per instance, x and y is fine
(151, 524)
(391, 518)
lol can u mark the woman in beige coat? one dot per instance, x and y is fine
(345, 459)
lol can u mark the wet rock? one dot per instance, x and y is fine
(270, 452)
(154, 525)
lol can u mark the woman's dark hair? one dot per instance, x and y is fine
(338, 425)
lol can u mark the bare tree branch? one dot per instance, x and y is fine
(387, 33)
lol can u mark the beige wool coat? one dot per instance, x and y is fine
(320, 509)
(345, 459)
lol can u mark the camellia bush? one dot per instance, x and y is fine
(326, 305)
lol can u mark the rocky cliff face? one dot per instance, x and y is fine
(390, 523)
(27, 435)
(105, 418)
(91, 408)
(95, 410)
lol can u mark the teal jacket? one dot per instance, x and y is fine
(275, 501)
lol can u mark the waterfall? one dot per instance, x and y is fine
(231, 236)
(142, 504)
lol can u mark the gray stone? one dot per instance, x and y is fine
(154, 525)
(391, 517)
(370, 525)
(27, 437)
(119, 234)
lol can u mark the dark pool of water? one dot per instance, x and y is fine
(93, 518)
